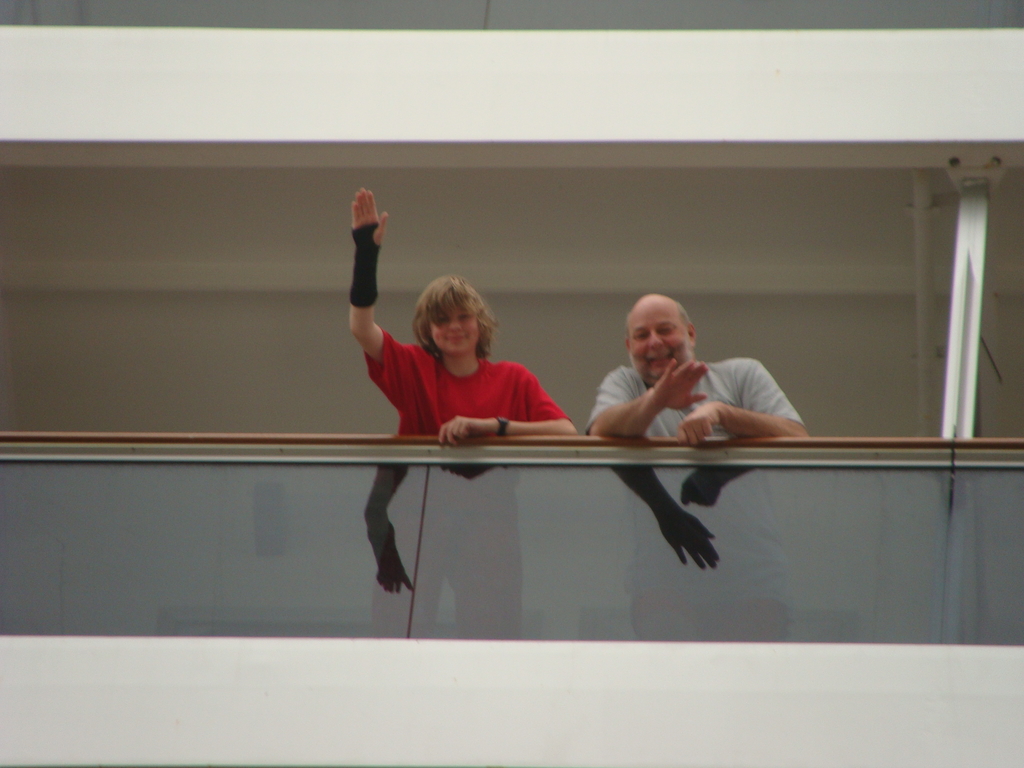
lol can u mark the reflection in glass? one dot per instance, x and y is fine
(682, 531)
(112, 548)
(391, 574)
(470, 541)
(847, 555)
(555, 552)
(744, 598)
(987, 567)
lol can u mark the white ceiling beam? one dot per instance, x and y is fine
(493, 154)
(62, 84)
(319, 702)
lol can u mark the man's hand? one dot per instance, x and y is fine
(364, 214)
(463, 426)
(738, 422)
(674, 389)
(699, 425)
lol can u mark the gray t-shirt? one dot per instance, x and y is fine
(753, 563)
(740, 381)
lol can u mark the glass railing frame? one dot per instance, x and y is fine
(582, 450)
(375, 450)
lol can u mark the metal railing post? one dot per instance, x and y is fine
(965, 300)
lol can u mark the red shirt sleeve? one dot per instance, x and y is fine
(408, 379)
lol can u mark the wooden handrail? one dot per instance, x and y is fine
(582, 441)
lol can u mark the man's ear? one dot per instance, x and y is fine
(692, 333)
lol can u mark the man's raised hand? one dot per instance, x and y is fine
(364, 214)
(674, 389)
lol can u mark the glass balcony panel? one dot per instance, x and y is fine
(111, 548)
(470, 572)
(866, 551)
(536, 552)
(847, 555)
(986, 564)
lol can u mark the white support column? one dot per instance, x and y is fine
(964, 339)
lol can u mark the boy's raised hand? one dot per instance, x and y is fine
(364, 213)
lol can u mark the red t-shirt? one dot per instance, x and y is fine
(427, 395)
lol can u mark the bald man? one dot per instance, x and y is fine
(668, 392)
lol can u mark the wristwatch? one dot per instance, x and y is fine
(502, 426)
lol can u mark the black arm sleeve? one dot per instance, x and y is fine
(364, 271)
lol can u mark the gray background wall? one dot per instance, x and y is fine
(145, 298)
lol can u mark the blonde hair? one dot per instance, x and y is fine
(442, 299)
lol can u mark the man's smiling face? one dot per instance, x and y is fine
(656, 334)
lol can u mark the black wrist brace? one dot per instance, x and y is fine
(364, 272)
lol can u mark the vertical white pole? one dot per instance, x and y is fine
(964, 339)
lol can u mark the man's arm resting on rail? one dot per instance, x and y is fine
(699, 425)
(673, 389)
(628, 419)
